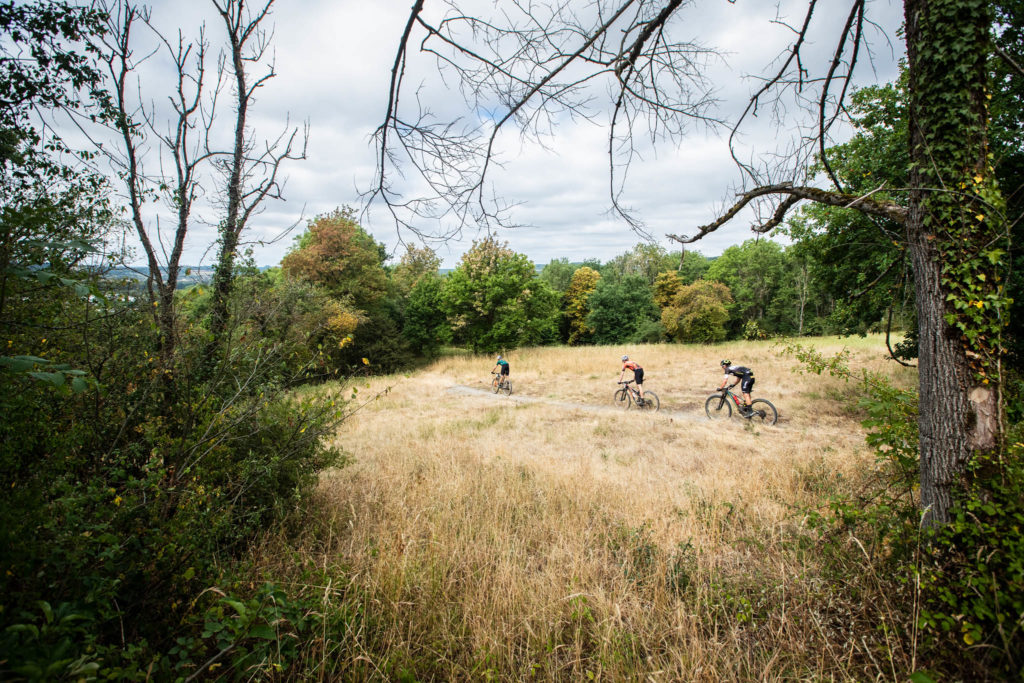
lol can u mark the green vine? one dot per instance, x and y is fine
(963, 209)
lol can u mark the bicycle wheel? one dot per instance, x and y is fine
(651, 402)
(763, 412)
(506, 387)
(622, 399)
(718, 407)
(495, 384)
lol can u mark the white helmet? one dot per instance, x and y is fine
(625, 358)
(499, 356)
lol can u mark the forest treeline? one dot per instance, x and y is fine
(355, 303)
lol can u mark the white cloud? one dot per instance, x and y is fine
(333, 61)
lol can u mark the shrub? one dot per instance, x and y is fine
(122, 501)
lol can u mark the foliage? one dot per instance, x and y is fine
(855, 262)
(973, 573)
(693, 267)
(970, 571)
(758, 277)
(416, 263)
(335, 253)
(698, 313)
(619, 309)
(364, 320)
(558, 274)
(666, 286)
(643, 260)
(494, 301)
(425, 325)
(967, 223)
(577, 307)
(124, 498)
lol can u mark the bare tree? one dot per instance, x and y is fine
(184, 139)
(527, 65)
(174, 153)
(530, 61)
(252, 167)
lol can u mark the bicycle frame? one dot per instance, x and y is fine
(633, 391)
(726, 392)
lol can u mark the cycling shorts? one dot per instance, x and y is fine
(504, 369)
(747, 383)
(638, 375)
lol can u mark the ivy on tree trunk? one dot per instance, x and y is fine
(957, 243)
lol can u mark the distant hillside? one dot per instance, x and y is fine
(187, 275)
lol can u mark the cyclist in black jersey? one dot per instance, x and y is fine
(745, 380)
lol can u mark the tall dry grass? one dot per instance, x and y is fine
(479, 537)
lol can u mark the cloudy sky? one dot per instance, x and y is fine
(333, 60)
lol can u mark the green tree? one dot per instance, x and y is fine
(698, 313)
(621, 309)
(337, 254)
(577, 306)
(643, 260)
(425, 325)
(558, 274)
(51, 205)
(494, 300)
(693, 266)
(416, 263)
(666, 286)
(858, 263)
(757, 275)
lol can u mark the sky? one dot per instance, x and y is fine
(333, 61)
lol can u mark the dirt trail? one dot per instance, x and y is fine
(462, 390)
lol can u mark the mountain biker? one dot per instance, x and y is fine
(745, 380)
(638, 374)
(501, 367)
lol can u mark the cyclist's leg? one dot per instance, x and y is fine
(638, 375)
(746, 385)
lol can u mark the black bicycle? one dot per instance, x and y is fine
(718, 407)
(628, 396)
(501, 383)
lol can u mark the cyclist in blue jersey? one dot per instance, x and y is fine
(501, 367)
(745, 378)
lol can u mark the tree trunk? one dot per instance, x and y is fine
(947, 232)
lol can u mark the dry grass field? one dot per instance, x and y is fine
(478, 537)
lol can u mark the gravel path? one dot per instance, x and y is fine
(461, 390)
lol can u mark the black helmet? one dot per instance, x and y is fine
(725, 362)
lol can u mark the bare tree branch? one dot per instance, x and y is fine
(882, 208)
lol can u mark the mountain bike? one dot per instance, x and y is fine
(718, 407)
(628, 396)
(501, 383)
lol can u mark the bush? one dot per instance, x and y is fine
(124, 500)
(974, 574)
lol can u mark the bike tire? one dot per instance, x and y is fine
(506, 387)
(651, 402)
(717, 407)
(622, 399)
(763, 412)
(495, 385)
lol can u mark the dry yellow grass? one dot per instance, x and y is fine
(483, 537)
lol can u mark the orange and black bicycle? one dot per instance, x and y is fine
(501, 384)
(629, 396)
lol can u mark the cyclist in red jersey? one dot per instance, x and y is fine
(638, 374)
